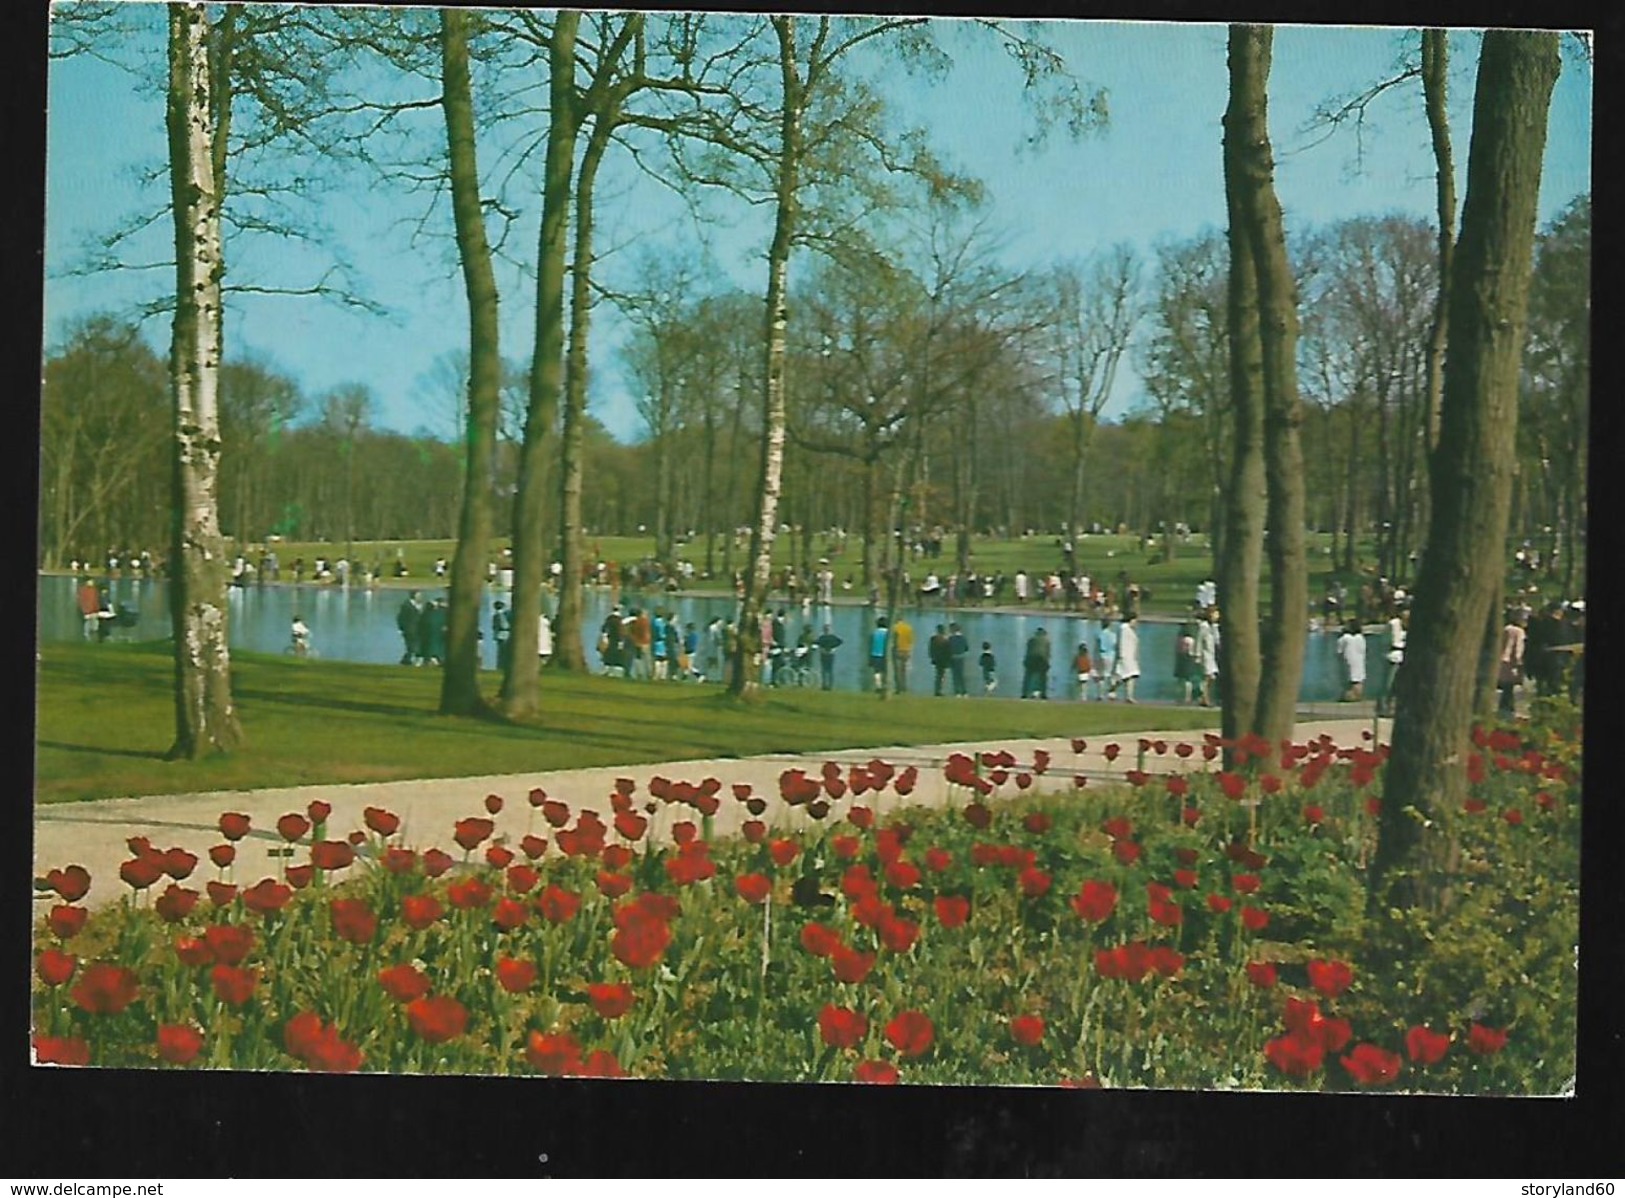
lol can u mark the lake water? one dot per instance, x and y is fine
(357, 624)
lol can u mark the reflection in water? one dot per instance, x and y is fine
(356, 624)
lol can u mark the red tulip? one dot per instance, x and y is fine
(555, 813)
(420, 910)
(876, 1073)
(141, 872)
(754, 831)
(522, 879)
(1425, 1046)
(841, 1027)
(176, 903)
(557, 906)
(532, 846)
(66, 922)
(468, 894)
(179, 1043)
(300, 876)
(1127, 852)
(292, 826)
(902, 875)
(437, 1019)
(783, 851)
(266, 896)
(1095, 901)
(631, 825)
(515, 976)
(640, 943)
(952, 910)
(1245, 883)
(71, 883)
(600, 1063)
(331, 854)
(860, 817)
(1486, 1041)
(555, 1054)
(1027, 1030)
(220, 893)
(404, 983)
(223, 854)
(819, 940)
(500, 856)
(55, 967)
(1037, 822)
(234, 986)
(1331, 978)
(849, 964)
(192, 952)
(1034, 883)
(353, 920)
(61, 1050)
(1254, 919)
(1294, 1056)
(179, 864)
(1218, 903)
(753, 888)
(469, 832)
(318, 811)
(493, 804)
(1314, 814)
(610, 1000)
(1369, 1065)
(1261, 974)
(385, 823)
(234, 825)
(228, 943)
(897, 934)
(911, 1033)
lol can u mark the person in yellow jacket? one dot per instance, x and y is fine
(902, 648)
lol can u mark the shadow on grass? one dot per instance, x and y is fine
(102, 750)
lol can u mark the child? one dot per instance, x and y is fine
(1082, 667)
(990, 676)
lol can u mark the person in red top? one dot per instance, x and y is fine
(639, 635)
(90, 606)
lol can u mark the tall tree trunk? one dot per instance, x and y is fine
(709, 502)
(519, 686)
(1285, 543)
(459, 685)
(568, 653)
(777, 321)
(1239, 664)
(1435, 84)
(1464, 562)
(205, 717)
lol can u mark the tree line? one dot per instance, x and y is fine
(902, 364)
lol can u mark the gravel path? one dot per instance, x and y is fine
(93, 833)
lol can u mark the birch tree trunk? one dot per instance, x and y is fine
(777, 315)
(1471, 482)
(520, 695)
(1239, 653)
(568, 653)
(205, 718)
(459, 685)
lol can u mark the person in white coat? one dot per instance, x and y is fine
(1127, 669)
(544, 638)
(1351, 650)
(1208, 639)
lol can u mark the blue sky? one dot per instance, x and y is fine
(1153, 173)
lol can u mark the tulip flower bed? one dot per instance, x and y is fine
(1191, 928)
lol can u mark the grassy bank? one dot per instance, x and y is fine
(106, 716)
(1172, 584)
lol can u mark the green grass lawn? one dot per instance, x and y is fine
(106, 715)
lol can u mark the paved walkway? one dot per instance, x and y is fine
(93, 833)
